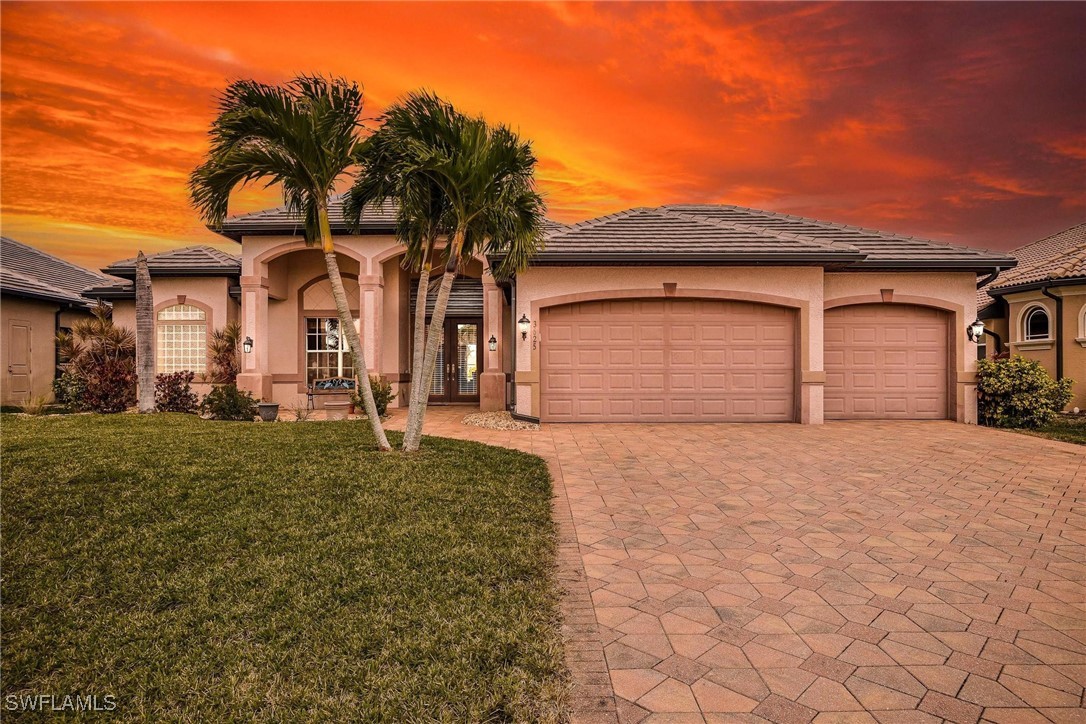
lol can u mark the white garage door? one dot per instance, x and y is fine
(667, 360)
(885, 361)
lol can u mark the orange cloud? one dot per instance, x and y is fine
(957, 121)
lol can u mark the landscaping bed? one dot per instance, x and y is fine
(196, 569)
(1066, 428)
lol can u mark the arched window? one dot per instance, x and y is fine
(1035, 324)
(182, 339)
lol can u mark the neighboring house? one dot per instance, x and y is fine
(676, 313)
(39, 295)
(195, 291)
(1038, 310)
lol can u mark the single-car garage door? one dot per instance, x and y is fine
(885, 361)
(667, 360)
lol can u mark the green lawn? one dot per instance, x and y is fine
(205, 570)
(1068, 428)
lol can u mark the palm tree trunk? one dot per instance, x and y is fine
(145, 335)
(418, 353)
(346, 323)
(413, 432)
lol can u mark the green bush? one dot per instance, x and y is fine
(1018, 392)
(173, 392)
(382, 395)
(68, 389)
(227, 402)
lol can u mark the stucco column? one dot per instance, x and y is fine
(492, 379)
(370, 310)
(255, 376)
(812, 376)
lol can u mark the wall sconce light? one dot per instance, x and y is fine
(493, 342)
(524, 323)
(975, 331)
(247, 345)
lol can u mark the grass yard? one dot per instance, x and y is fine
(1067, 428)
(207, 570)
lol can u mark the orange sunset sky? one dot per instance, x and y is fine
(959, 122)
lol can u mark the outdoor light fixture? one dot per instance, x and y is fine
(975, 331)
(493, 342)
(523, 323)
(247, 345)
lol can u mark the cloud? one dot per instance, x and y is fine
(963, 122)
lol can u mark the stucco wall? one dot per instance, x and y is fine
(208, 293)
(806, 289)
(1073, 334)
(41, 318)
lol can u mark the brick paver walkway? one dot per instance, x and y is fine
(852, 572)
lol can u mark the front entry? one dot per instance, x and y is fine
(456, 372)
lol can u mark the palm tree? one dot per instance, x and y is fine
(302, 136)
(145, 332)
(456, 176)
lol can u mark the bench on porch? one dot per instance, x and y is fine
(329, 385)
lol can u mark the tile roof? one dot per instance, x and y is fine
(733, 233)
(375, 219)
(197, 260)
(29, 272)
(189, 261)
(1059, 256)
(279, 221)
(678, 235)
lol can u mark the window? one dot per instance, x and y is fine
(182, 339)
(326, 351)
(1035, 324)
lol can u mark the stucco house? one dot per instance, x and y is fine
(40, 295)
(1038, 309)
(674, 313)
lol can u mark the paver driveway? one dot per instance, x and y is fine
(853, 572)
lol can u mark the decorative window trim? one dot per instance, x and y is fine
(1081, 339)
(1024, 320)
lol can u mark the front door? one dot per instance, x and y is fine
(456, 372)
(18, 343)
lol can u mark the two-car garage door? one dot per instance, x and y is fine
(704, 360)
(667, 360)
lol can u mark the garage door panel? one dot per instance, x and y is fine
(661, 360)
(885, 361)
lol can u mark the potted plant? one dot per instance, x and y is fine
(268, 411)
(354, 403)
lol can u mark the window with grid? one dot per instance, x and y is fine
(182, 339)
(326, 351)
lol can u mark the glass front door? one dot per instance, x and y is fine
(456, 371)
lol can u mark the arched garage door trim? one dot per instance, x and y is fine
(954, 345)
(799, 322)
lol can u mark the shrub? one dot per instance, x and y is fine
(382, 395)
(68, 390)
(224, 365)
(36, 405)
(173, 392)
(103, 357)
(227, 402)
(1018, 392)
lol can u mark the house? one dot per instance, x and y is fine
(1038, 310)
(40, 295)
(675, 313)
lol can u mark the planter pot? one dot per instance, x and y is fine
(351, 409)
(336, 410)
(269, 411)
